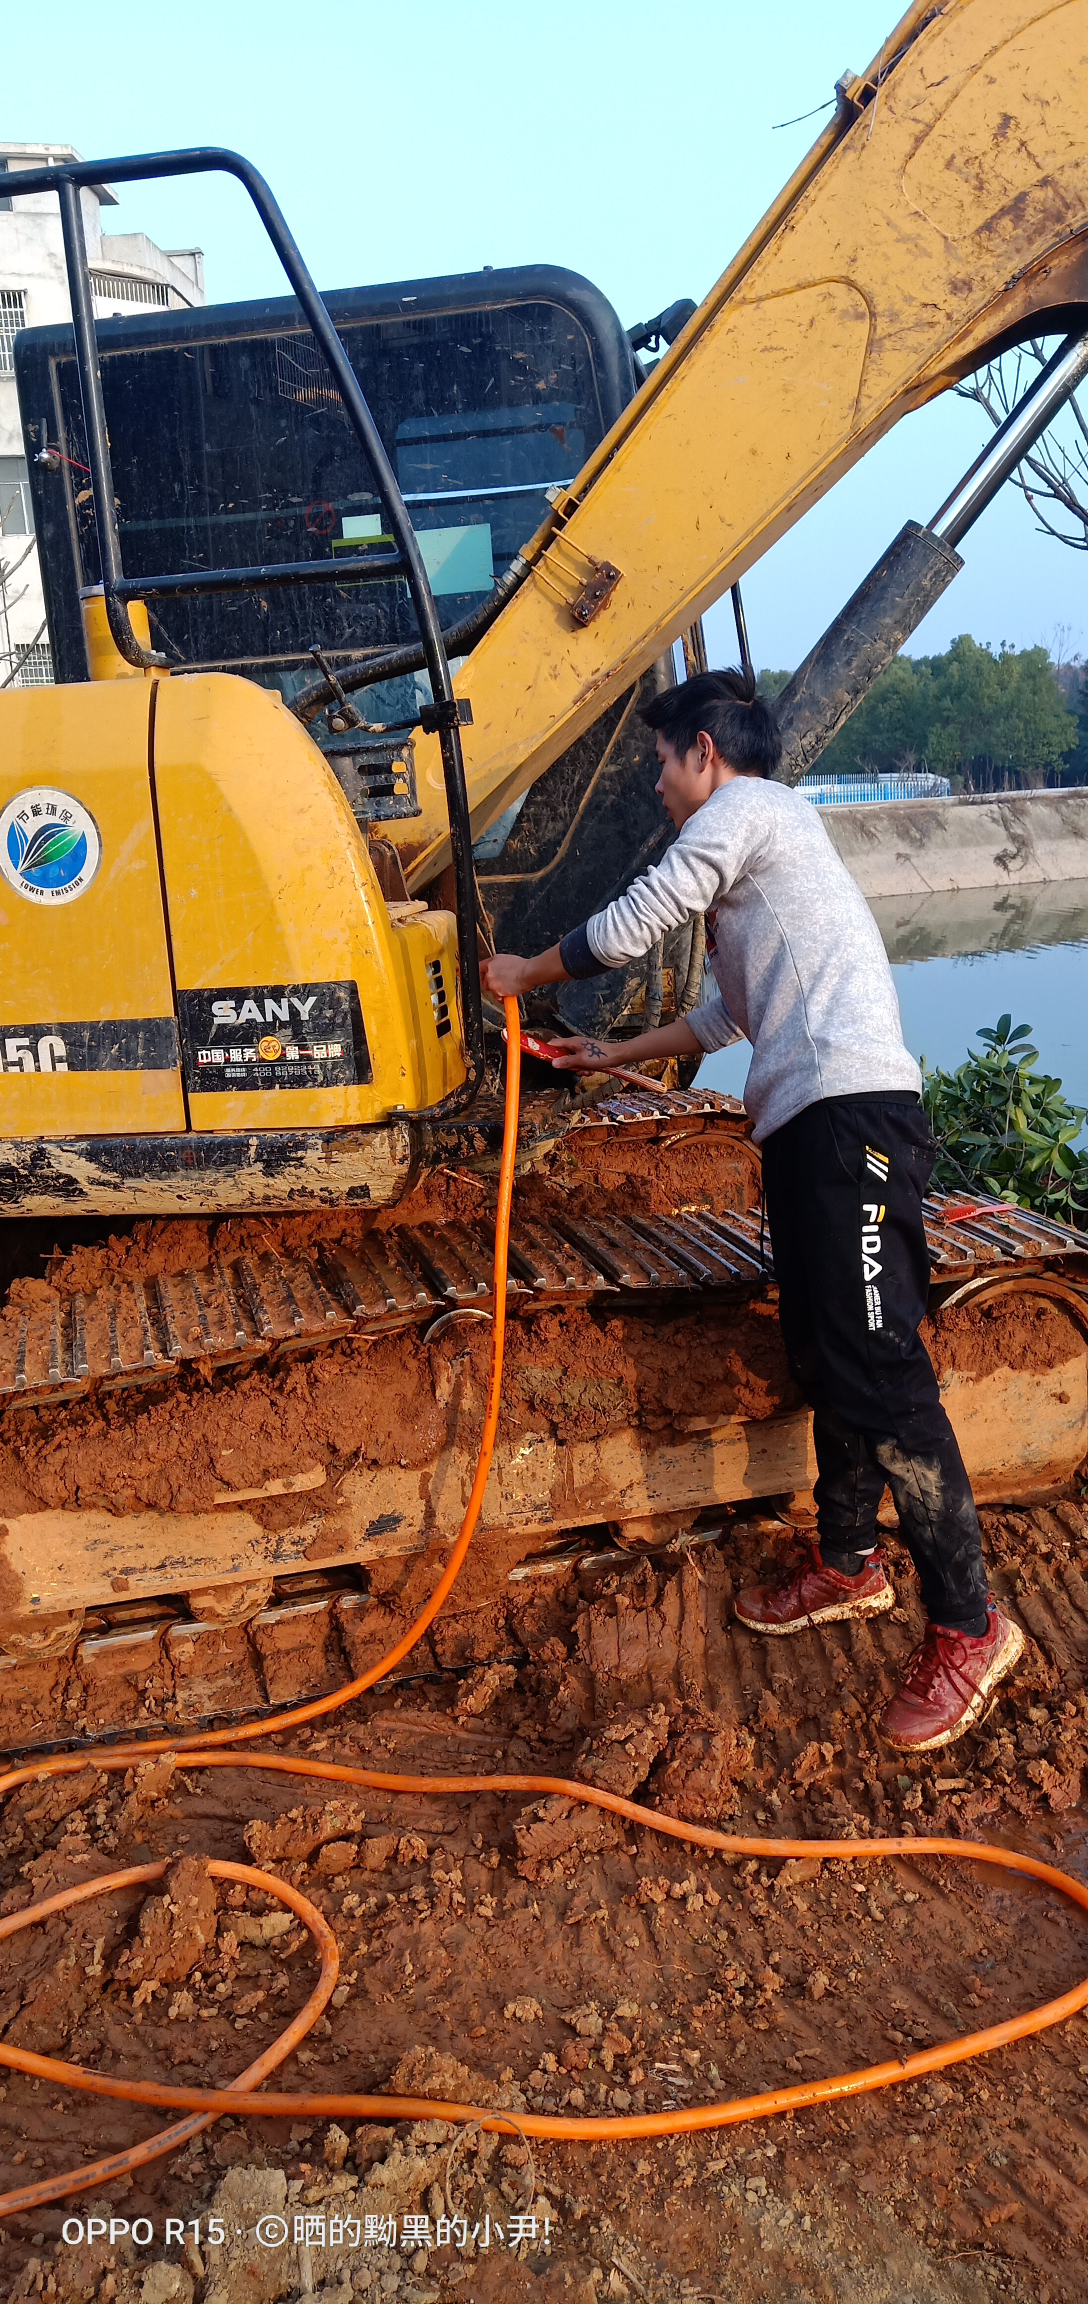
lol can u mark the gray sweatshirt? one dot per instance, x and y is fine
(795, 951)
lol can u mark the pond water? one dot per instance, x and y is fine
(960, 961)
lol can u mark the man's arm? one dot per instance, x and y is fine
(507, 976)
(580, 1054)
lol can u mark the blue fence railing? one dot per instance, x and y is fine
(848, 791)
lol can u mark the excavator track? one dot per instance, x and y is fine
(270, 1632)
(264, 1307)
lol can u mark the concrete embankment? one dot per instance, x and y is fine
(920, 847)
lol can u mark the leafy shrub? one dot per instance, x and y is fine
(1002, 1128)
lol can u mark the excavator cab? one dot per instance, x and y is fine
(229, 442)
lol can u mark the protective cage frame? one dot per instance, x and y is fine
(67, 179)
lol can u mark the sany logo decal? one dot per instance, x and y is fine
(50, 847)
(268, 1011)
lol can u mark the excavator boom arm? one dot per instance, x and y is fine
(943, 213)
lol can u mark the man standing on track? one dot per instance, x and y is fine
(835, 1102)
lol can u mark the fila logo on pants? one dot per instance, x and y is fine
(872, 1217)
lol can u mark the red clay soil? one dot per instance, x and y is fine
(1017, 1332)
(576, 1374)
(390, 1399)
(654, 1177)
(382, 1401)
(530, 1952)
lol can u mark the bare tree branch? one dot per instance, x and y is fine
(10, 568)
(1058, 461)
(27, 653)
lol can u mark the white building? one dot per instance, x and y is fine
(128, 273)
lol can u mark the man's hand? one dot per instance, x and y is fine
(506, 976)
(581, 1054)
(578, 1054)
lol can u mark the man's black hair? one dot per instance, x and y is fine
(727, 707)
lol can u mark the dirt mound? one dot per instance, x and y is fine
(427, 2072)
(701, 1777)
(296, 1836)
(176, 1928)
(650, 1176)
(1019, 1332)
(621, 1756)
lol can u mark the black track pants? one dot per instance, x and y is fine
(844, 1182)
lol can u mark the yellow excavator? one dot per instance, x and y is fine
(248, 1080)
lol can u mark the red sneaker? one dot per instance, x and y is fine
(949, 1684)
(812, 1594)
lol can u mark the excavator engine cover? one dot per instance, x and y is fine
(203, 979)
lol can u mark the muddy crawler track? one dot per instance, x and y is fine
(184, 1658)
(191, 1365)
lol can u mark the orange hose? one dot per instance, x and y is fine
(208, 1751)
(167, 2139)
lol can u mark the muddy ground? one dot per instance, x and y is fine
(510, 1951)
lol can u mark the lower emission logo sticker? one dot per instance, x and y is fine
(50, 845)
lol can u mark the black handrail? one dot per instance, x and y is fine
(66, 179)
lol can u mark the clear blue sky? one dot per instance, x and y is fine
(633, 140)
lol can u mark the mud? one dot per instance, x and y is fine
(175, 1930)
(1016, 1332)
(391, 1399)
(367, 1402)
(652, 1178)
(505, 1949)
(620, 1758)
(384, 1400)
(174, 1244)
(577, 1375)
(578, 1177)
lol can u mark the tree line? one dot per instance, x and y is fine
(989, 721)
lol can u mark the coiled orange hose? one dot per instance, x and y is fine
(218, 1750)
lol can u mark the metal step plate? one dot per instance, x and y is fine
(689, 1111)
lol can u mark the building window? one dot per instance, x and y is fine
(12, 318)
(35, 665)
(118, 288)
(5, 197)
(16, 517)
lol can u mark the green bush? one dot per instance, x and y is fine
(1004, 1129)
